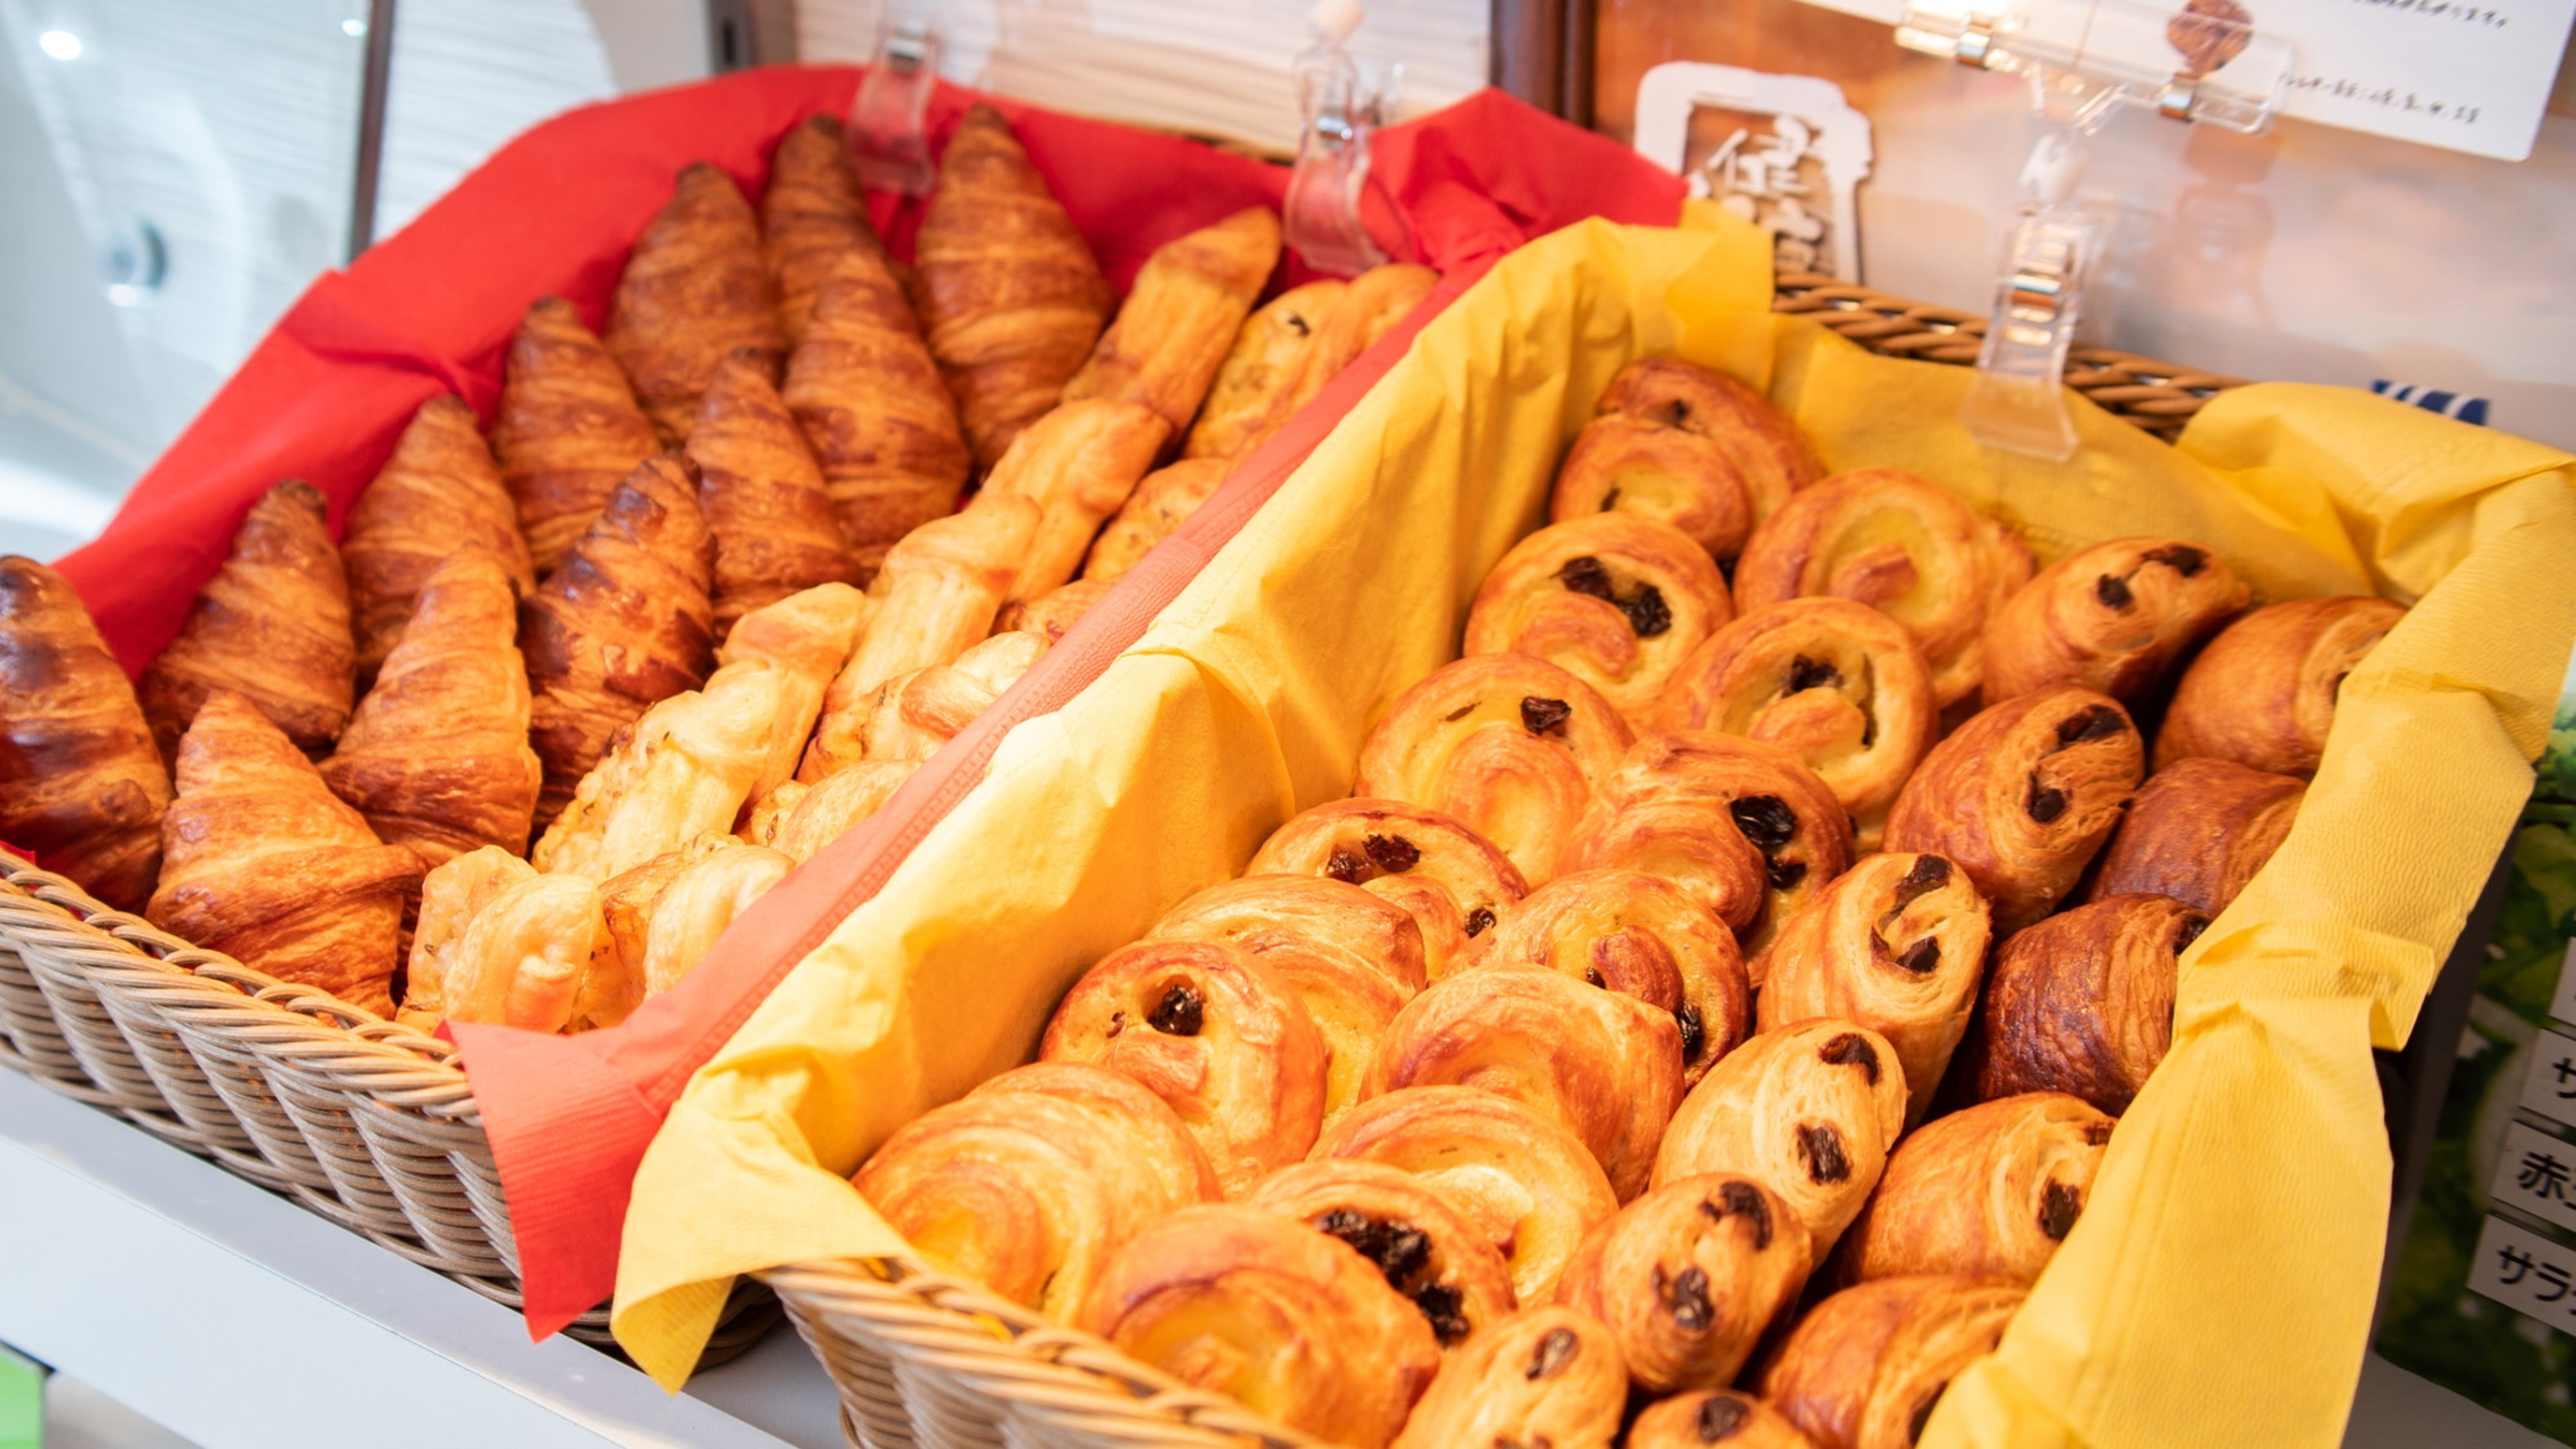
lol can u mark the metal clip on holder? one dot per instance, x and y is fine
(1342, 107)
(889, 140)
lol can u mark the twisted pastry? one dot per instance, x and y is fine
(1190, 299)
(80, 782)
(1902, 545)
(2083, 1002)
(2197, 832)
(1261, 364)
(1689, 1277)
(567, 431)
(1715, 1416)
(1616, 600)
(538, 956)
(1510, 745)
(811, 215)
(2263, 693)
(440, 492)
(912, 715)
(1367, 309)
(1987, 1191)
(762, 496)
(694, 292)
(1451, 880)
(1865, 1368)
(2115, 618)
(1052, 615)
(1421, 1244)
(627, 901)
(1809, 1110)
(1686, 446)
(1159, 506)
(806, 637)
(802, 818)
(452, 894)
(697, 907)
(1545, 1376)
(1078, 464)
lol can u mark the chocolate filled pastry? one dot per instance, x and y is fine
(1904, 546)
(1029, 1183)
(1687, 446)
(2083, 1002)
(1510, 745)
(1643, 936)
(1897, 944)
(1262, 364)
(1546, 1376)
(1613, 599)
(1290, 1322)
(1865, 1368)
(1426, 1249)
(1368, 307)
(1214, 1032)
(1987, 1191)
(2197, 832)
(2022, 796)
(1809, 1110)
(1164, 500)
(2263, 692)
(1838, 684)
(1689, 1277)
(1741, 825)
(1526, 1183)
(1715, 1416)
(1452, 881)
(1602, 1065)
(2116, 617)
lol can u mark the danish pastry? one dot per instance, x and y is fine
(1262, 364)
(1366, 309)
(1865, 1368)
(2263, 692)
(1714, 1416)
(1810, 1111)
(1425, 1249)
(2115, 617)
(535, 956)
(1451, 880)
(803, 818)
(451, 896)
(1546, 1376)
(2198, 831)
(1162, 502)
(1051, 615)
(1987, 1191)
(1689, 1277)
(1614, 599)
(1693, 448)
(2083, 1002)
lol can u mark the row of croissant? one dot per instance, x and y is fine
(631, 622)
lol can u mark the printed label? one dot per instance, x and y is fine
(2550, 1089)
(2537, 1174)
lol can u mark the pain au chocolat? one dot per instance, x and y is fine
(1810, 1110)
(2197, 832)
(1990, 1190)
(2264, 691)
(2083, 1002)
(2116, 617)
(1690, 1277)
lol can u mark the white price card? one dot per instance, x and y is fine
(2526, 1272)
(2549, 1087)
(2537, 1174)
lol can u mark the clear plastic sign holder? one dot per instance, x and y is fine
(1341, 105)
(888, 130)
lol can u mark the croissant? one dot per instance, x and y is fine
(440, 492)
(80, 782)
(437, 755)
(623, 623)
(1078, 464)
(1159, 506)
(1865, 1368)
(1886, 538)
(1838, 684)
(811, 215)
(2083, 1002)
(1418, 1242)
(260, 861)
(697, 907)
(808, 637)
(529, 957)
(1452, 881)
(1032, 1182)
(2115, 618)
(567, 431)
(912, 715)
(1013, 299)
(1526, 1182)
(1714, 1416)
(1190, 298)
(2197, 832)
(452, 894)
(2021, 796)
(1262, 363)
(1374, 302)
(1685, 446)
(762, 496)
(1616, 600)
(1810, 1111)
(1990, 1191)
(1051, 615)
(1547, 1376)
(1271, 1312)
(816, 815)
(1689, 1277)
(272, 626)
(2263, 692)
(694, 292)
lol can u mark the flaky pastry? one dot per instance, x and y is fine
(1810, 1110)
(1614, 599)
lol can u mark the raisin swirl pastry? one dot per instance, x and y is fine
(1897, 944)
(1425, 1248)
(1838, 684)
(1289, 1321)
(2115, 617)
(2198, 831)
(1810, 1110)
(1031, 1181)
(1641, 935)
(1614, 599)
(1902, 545)
(1689, 1277)
(1544, 1376)
(1602, 1065)
(2263, 692)
(1865, 1368)
(1452, 881)
(1690, 447)
(1715, 1416)
(2021, 796)
(1212, 1031)
(1525, 1182)
(1987, 1191)
(2083, 1002)
(1510, 745)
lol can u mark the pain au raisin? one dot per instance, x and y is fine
(1479, 921)
(2093, 722)
(1744, 1200)
(1921, 957)
(1554, 1352)
(1766, 820)
(1927, 875)
(1685, 1296)
(2181, 558)
(2046, 802)
(1694, 1032)
(1585, 575)
(1721, 1417)
(1647, 613)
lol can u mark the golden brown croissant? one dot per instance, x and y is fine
(1078, 464)
(1810, 1111)
(567, 431)
(1643, 936)
(2197, 832)
(1715, 1416)
(1987, 1191)
(2021, 796)
(1838, 684)
(440, 492)
(1865, 1368)
(1547, 1376)
(1689, 447)
(1013, 298)
(2115, 617)
(1896, 944)
(808, 817)
(912, 715)
(1421, 1244)
(1689, 1277)
(1524, 1181)
(1374, 302)
(1616, 600)
(762, 496)
(437, 756)
(1886, 538)
(1452, 881)
(535, 956)
(1191, 297)
(1261, 364)
(1258, 1306)
(80, 782)
(808, 636)
(1159, 506)
(694, 292)
(260, 861)
(1032, 1182)
(272, 626)
(2083, 1002)
(451, 896)
(1052, 614)
(811, 215)
(623, 623)
(2263, 692)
